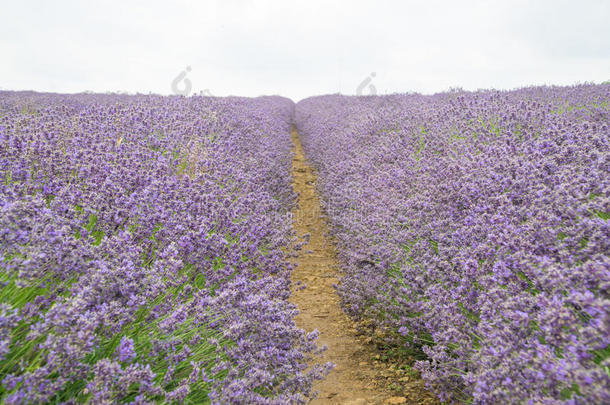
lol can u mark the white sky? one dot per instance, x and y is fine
(301, 48)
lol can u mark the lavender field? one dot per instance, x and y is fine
(146, 243)
(143, 245)
(474, 227)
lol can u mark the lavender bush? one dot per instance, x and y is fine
(143, 246)
(474, 226)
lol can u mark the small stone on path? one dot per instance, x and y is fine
(358, 401)
(396, 400)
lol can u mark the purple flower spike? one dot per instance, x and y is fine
(125, 350)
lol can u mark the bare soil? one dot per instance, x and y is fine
(362, 375)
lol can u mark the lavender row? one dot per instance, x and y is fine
(474, 227)
(142, 244)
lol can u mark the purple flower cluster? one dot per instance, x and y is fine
(474, 226)
(143, 251)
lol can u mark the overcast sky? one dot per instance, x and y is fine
(301, 48)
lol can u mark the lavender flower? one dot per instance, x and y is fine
(125, 350)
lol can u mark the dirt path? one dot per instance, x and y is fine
(360, 377)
